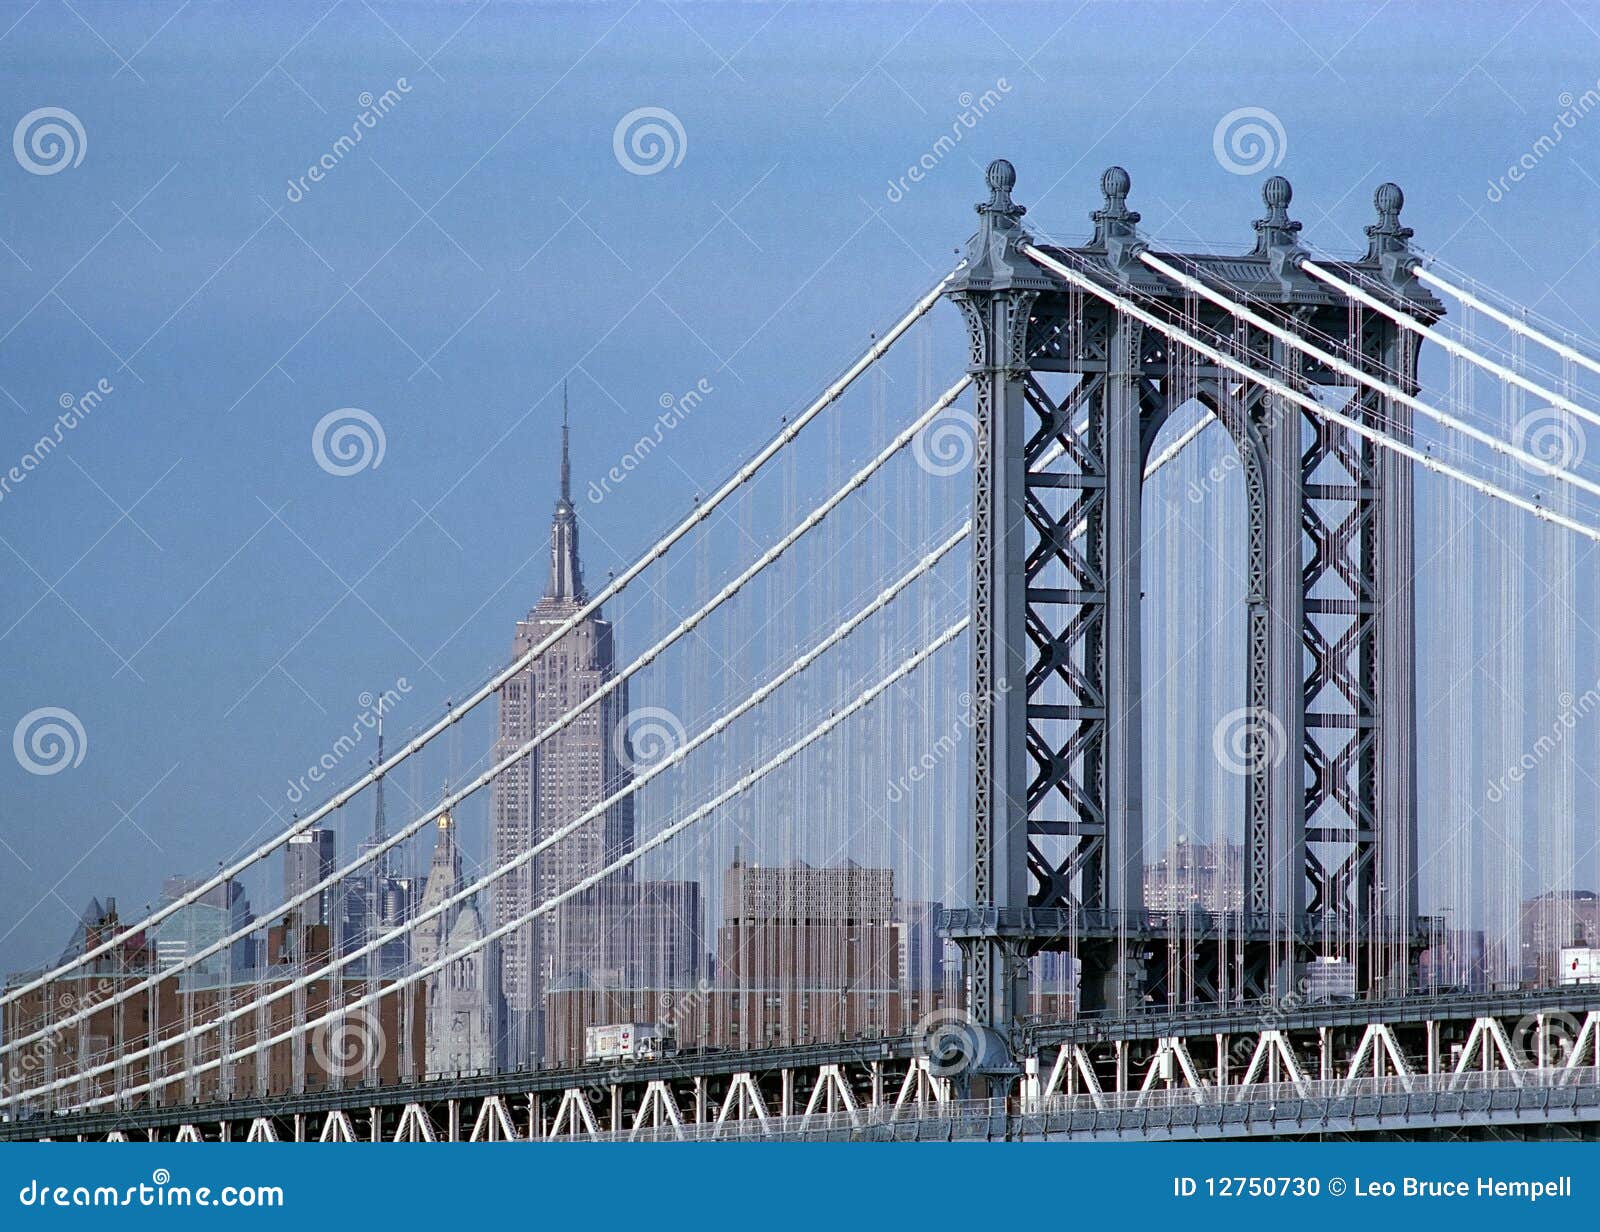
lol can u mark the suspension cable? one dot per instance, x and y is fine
(1530, 460)
(1178, 446)
(1448, 343)
(767, 558)
(454, 713)
(844, 630)
(1514, 324)
(1311, 404)
(882, 600)
(859, 703)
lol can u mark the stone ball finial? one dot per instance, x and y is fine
(1115, 184)
(1001, 178)
(1277, 193)
(1388, 237)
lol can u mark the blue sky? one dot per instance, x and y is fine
(211, 604)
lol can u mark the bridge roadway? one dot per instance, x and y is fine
(1416, 1065)
(1546, 1103)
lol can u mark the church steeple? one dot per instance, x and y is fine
(566, 575)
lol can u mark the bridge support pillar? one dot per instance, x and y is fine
(995, 293)
(1073, 386)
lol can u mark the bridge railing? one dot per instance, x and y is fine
(1319, 1090)
(1263, 1106)
(964, 1119)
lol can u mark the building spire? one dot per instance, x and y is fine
(566, 575)
(566, 461)
(379, 826)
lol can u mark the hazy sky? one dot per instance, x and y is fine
(210, 603)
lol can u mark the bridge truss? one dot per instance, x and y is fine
(1459, 1066)
(1079, 358)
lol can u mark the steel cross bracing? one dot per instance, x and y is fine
(1331, 797)
(1079, 356)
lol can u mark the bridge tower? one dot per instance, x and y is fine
(1071, 393)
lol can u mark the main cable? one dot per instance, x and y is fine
(687, 625)
(550, 904)
(1289, 338)
(1448, 343)
(1566, 350)
(1311, 404)
(454, 714)
(844, 630)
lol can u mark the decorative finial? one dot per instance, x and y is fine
(1276, 230)
(994, 253)
(1387, 235)
(1390, 201)
(1114, 220)
(1001, 178)
(1388, 242)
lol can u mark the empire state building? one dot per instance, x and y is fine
(565, 777)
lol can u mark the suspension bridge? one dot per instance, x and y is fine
(1091, 369)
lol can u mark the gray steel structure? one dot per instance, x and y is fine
(1071, 393)
(1522, 1064)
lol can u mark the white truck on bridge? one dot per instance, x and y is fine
(628, 1041)
(1580, 965)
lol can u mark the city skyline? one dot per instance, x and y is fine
(694, 571)
(253, 728)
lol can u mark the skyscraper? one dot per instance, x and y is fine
(307, 859)
(810, 954)
(376, 900)
(463, 1028)
(563, 778)
(204, 922)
